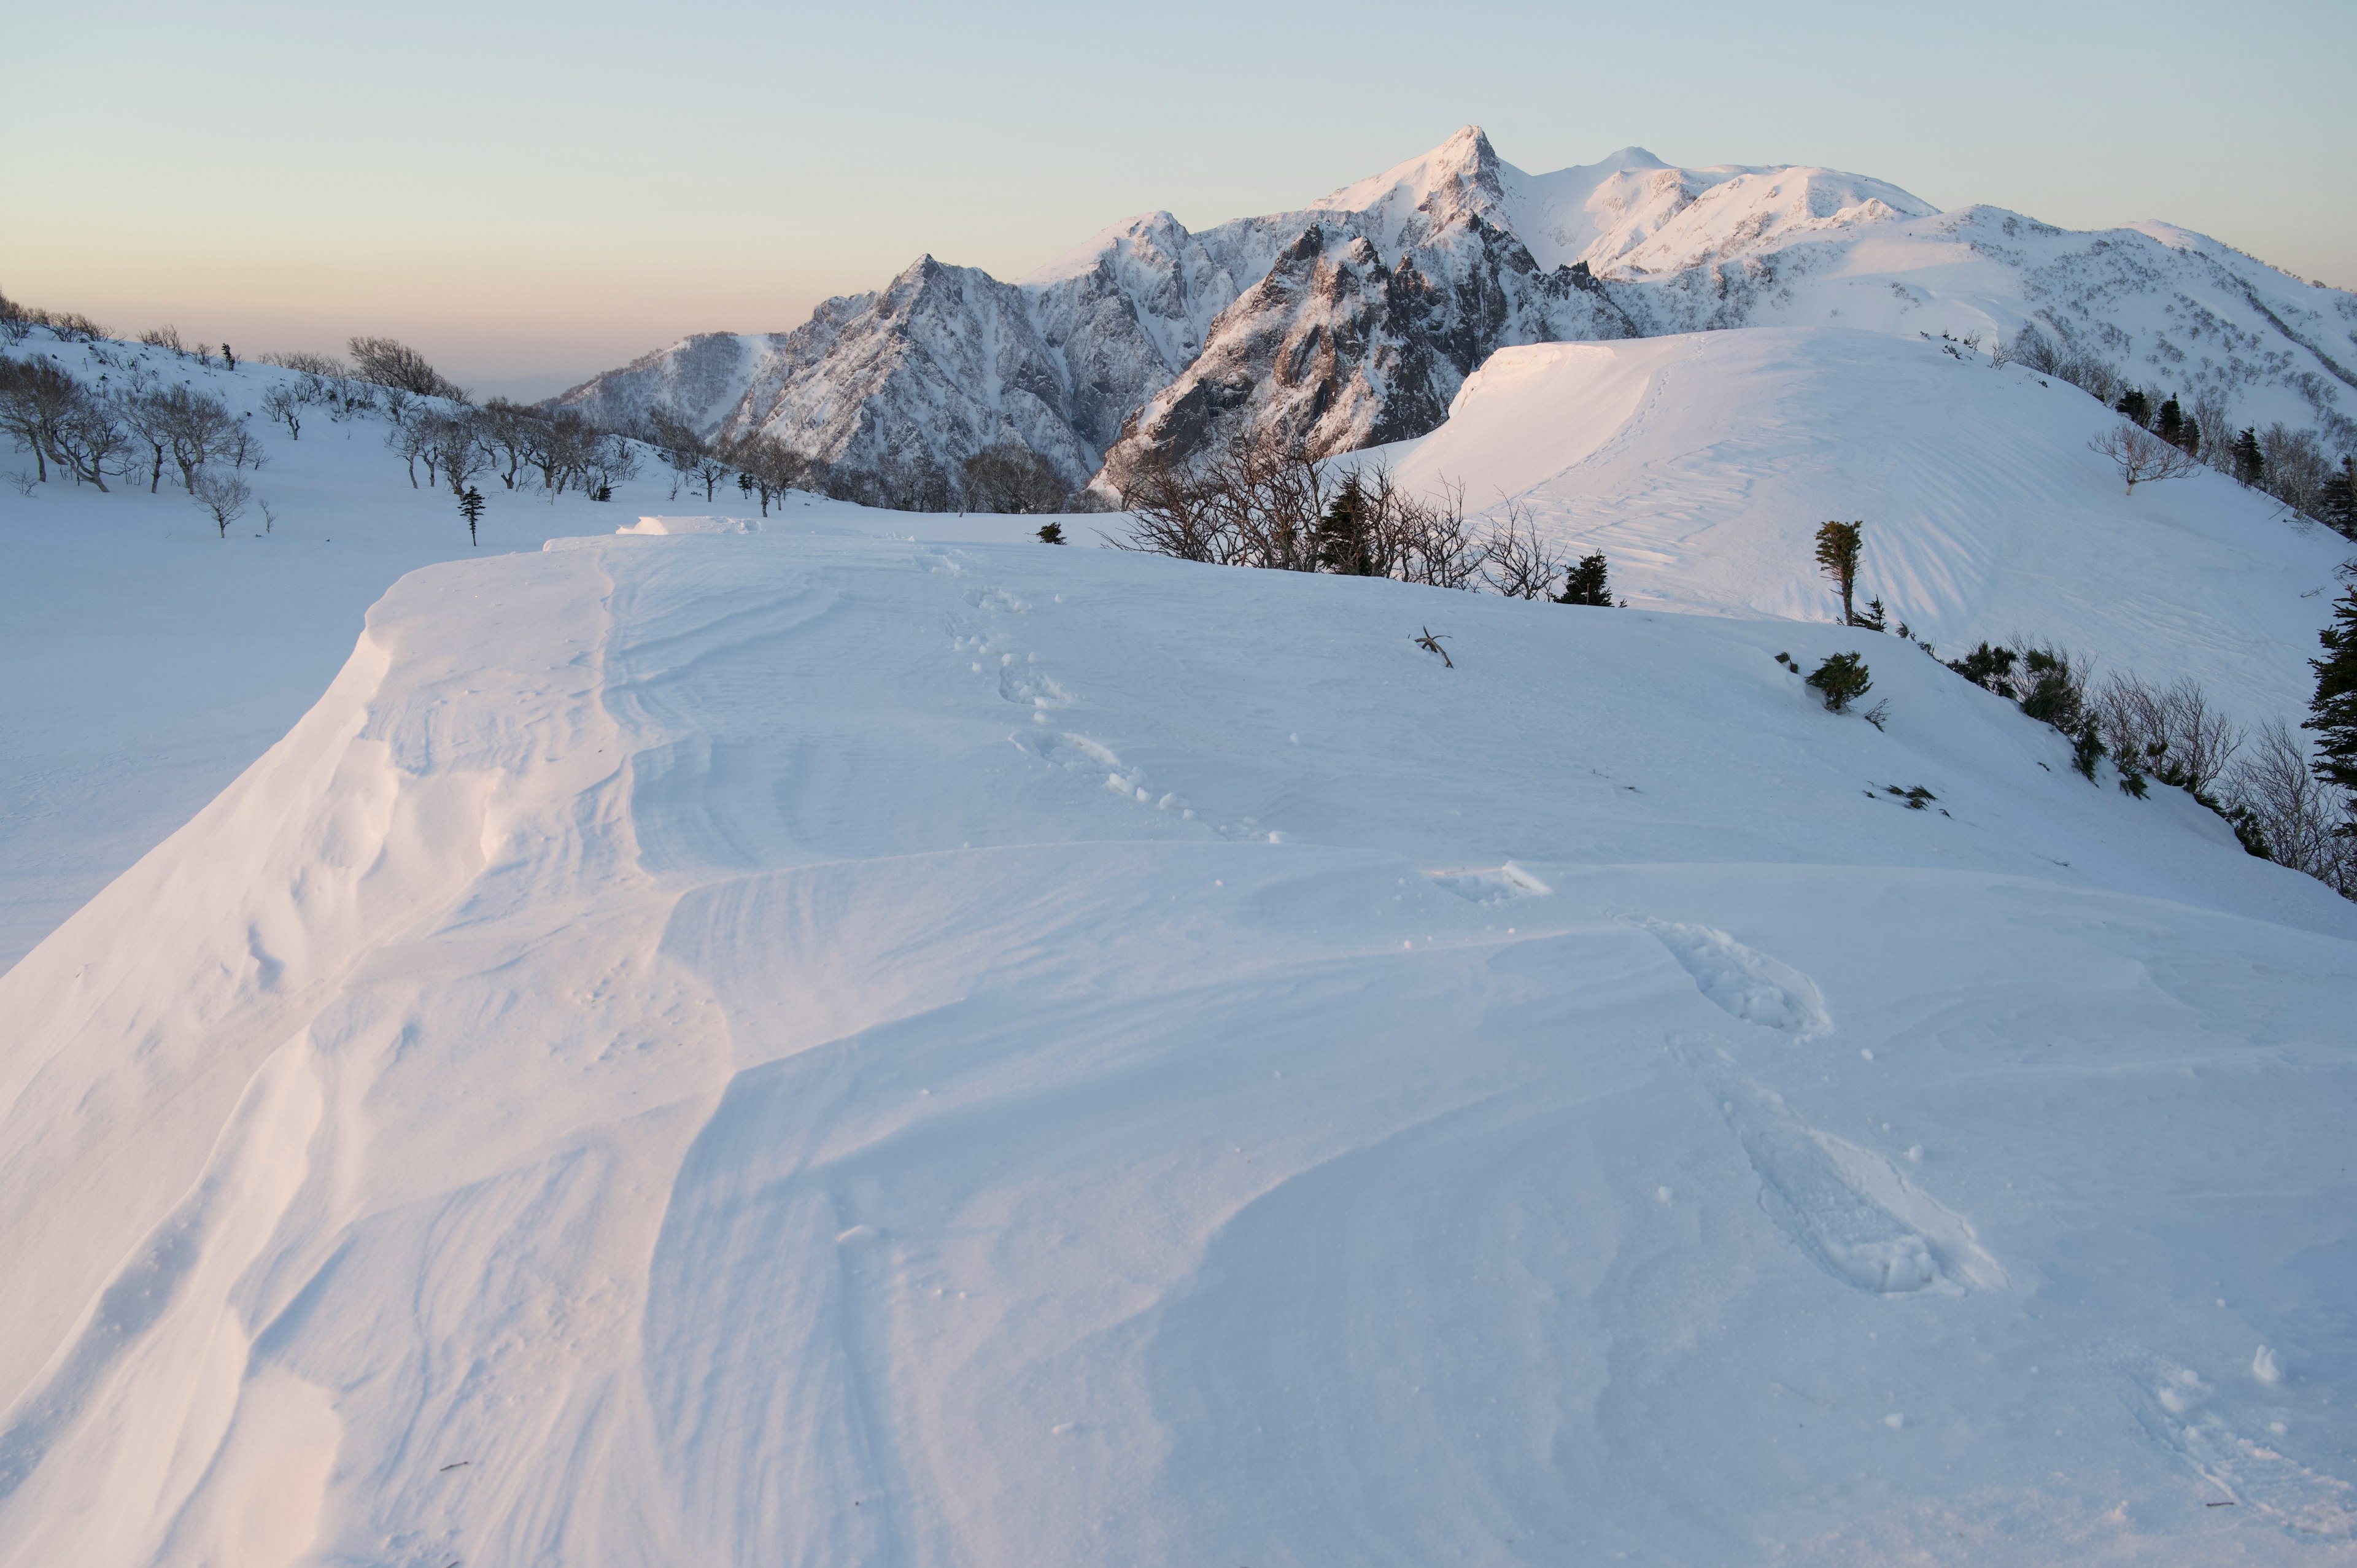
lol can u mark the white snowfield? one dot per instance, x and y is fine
(794, 1047)
(1702, 466)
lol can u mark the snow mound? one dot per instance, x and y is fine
(1702, 466)
(666, 525)
(746, 1047)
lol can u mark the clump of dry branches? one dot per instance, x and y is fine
(1264, 501)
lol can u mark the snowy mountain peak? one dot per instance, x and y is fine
(1453, 183)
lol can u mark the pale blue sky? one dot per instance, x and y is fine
(538, 187)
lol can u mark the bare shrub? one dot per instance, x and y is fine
(2292, 814)
(223, 496)
(1515, 561)
(773, 468)
(395, 364)
(2297, 469)
(1011, 477)
(2173, 734)
(164, 337)
(285, 404)
(2141, 456)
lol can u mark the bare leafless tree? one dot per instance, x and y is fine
(2294, 813)
(2172, 733)
(1515, 561)
(285, 404)
(771, 465)
(393, 364)
(36, 397)
(1011, 477)
(457, 450)
(164, 337)
(222, 496)
(2141, 456)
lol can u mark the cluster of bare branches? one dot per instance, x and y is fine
(557, 448)
(87, 432)
(2286, 811)
(2141, 456)
(2171, 733)
(1264, 501)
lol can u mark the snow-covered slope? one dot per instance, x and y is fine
(1702, 464)
(1355, 320)
(150, 662)
(789, 1046)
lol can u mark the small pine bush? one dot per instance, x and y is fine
(1841, 680)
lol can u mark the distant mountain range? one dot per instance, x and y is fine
(1354, 320)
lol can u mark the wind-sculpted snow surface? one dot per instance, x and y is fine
(1702, 466)
(788, 1046)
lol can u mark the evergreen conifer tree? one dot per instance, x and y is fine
(1340, 536)
(1841, 680)
(1585, 583)
(2134, 406)
(2333, 711)
(470, 507)
(2340, 500)
(1051, 533)
(1839, 545)
(2250, 463)
(2169, 425)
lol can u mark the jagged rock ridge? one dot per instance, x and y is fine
(1356, 319)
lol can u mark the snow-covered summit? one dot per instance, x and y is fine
(1356, 318)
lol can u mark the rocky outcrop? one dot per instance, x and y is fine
(1356, 319)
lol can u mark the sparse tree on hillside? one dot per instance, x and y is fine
(1011, 477)
(167, 336)
(710, 468)
(2135, 407)
(2172, 426)
(1344, 540)
(680, 446)
(2141, 456)
(767, 465)
(470, 507)
(229, 357)
(393, 364)
(1588, 582)
(2250, 464)
(2340, 500)
(1839, 546)
(458, 452)
(222, 496)
(35, 399)
(1841, 680)
(285, 404)
(2333, 711)
(198, 429)
(1515, 561)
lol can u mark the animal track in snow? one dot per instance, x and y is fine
(1848, 1206)
(1491, 884)
(1746, 983)
(2248, 1473)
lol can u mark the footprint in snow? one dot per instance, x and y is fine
(1746, 983)
(1849, 1208)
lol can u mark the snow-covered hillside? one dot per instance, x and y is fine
(1355, 319)
(150, 662)
(1702, 463)
(793, 1046)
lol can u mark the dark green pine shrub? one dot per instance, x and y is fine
(2333, 711)
(1585, 583)
(1841, 680)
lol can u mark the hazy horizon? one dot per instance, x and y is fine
(540, 203)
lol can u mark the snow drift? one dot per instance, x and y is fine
(775, 1046)
(1702, 463)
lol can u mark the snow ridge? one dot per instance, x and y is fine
(1355, 319)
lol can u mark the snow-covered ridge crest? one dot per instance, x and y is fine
(1355, 318)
